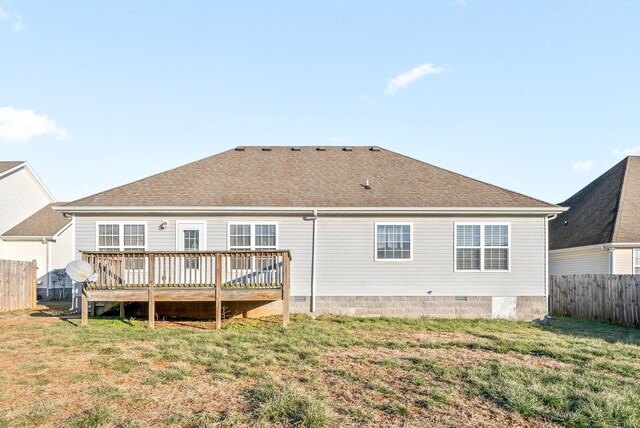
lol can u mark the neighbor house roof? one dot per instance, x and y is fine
(7, 165)
(45, 223)
(309, 177)
(605, 211)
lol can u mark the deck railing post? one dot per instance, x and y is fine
(286, 289)
(218, 291)
(152, 300)
(84, 309)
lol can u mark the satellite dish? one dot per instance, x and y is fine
(80, 271)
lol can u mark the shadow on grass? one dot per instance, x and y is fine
(593, 330)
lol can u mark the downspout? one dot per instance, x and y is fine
(74, 305)
(313, 260)
(612, 260)
(546, 258)
(49, 263)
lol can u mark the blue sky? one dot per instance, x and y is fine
(539, 97)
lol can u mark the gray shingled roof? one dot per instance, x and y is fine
(44, 223)
(333, 177)
(607, 210)
(7, 165)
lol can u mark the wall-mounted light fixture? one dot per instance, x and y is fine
(163, 225)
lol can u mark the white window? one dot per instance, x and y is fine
(253, 236)
(108, 237)
(121, 236)
(393, 241)
(636, 261)
(129, 237)
(482, 247)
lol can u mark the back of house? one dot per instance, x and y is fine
(370, 231)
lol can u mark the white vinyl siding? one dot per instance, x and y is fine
(595, 260)
(346, 263)
(21, 196)
(623, 261)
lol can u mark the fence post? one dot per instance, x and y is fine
(34, 284)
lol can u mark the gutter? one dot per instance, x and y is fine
(28, 238)
(297, 210)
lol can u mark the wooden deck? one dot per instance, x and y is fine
(218, 276)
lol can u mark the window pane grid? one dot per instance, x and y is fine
(468, 259)
(393, 241)
(123, 237)
(240, 236)
(482, 247)
(265, 236)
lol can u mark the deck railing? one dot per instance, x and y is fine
(238, 269)
(224, 275)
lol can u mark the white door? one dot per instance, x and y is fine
(190, 238)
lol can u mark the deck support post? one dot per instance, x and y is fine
(218, 291)
(286, 289)
(121, 310)
(152, 299)
(84, 308)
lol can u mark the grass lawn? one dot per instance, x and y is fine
(333, 371)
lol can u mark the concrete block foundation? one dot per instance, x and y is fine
(526, 308)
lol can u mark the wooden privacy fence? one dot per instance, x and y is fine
(613, 298)
(17, 285)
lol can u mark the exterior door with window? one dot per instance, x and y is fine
(190, 238)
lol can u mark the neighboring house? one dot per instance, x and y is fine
(46, 237)
(31, 230)
(600, 233)
(370, 231)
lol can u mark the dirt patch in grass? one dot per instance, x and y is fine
(418, 386)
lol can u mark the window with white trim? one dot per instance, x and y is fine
(393, 241)
(108, 237)
(253, 236)
(482, 247)
(636, 261)
(129, 237)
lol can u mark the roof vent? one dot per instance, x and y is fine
(347, 149)
(266, 149)
(296, 149)
(366, 185)
(321, 149)
(374, 148)
(240, 149)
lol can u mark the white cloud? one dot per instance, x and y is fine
(20, 126)
(18, 24)
(627, 151)
(14, 20)
(582, 166)
(404, 79)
